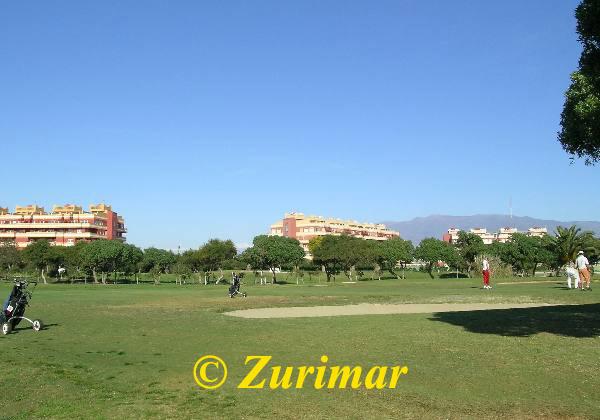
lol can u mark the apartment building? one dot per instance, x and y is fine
(503, 235)
(537, 231)
(304, 228)
(487, 237)
(64, 225)
(451, 236)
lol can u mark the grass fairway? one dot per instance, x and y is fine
(128, 351)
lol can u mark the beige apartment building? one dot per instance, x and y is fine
(451, 236)
(537, 231)
(304, 228)
(64, 225)
(487, 237)
(503, 234)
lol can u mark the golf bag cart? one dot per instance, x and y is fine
(234, 289)
(13, 309)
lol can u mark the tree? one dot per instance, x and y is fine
(588, 28)
(91, 258)
(566, 243)
(131, 258)
(74, 262)
(58, 257)
(524, 253)
(324, 250)
(272, 252)
(469, 247)
(39, 256)
(580, 118)
(255, 258)
(10, 257)
(191, 259)
(343, 253)
(392, 252)
(354, 252)
(432, 250)
(212, 254)
(544, 254)
(592, 249)
(157, 262)
(109, 256)
(182, 272)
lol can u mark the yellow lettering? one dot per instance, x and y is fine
(303, 372)
(285, 382)
(256, 369)
(319, 383)
(380, 381)
(345, 372)
(396, 372)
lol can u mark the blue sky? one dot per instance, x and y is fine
(211, 119)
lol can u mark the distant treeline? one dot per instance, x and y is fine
(105, 260)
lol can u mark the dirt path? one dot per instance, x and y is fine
(374, 309)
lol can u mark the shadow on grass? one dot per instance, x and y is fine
(25, 327)
(565, 320)
(453, 276)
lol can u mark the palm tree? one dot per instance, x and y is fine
(567, 242)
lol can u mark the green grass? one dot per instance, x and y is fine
(128, 351)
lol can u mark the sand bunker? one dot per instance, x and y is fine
(375, 309)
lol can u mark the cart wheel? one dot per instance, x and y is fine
(37, 325)
(6, 328)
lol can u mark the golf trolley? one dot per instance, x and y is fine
(13, 310)
(234, 289)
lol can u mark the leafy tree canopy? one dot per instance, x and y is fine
(432, 250)
(580, 119)
(10, 257)
(524, 253)
(469, 246)
(212, 254)
(159, 260)
(273, 252)
(325, 252)
(393, 251)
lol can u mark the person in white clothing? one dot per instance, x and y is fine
(572, 274)
(486, 273)
(583, 266)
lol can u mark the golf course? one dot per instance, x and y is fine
(528, 348)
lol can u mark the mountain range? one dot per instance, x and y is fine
(436, 225)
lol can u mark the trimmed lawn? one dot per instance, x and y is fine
(128, 351)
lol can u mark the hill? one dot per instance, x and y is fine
(436, 225)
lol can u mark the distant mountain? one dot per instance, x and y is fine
(436, 225)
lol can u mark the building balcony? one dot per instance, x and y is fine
(82, 235)
(50, 225)
(35, 235)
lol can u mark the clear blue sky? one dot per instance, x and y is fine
(211, 119)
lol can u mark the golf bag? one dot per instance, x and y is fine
(13, 309)
(234, 289)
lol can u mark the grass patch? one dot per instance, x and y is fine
(128, 351)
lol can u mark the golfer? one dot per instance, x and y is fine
(572, 274)
(583, 265)
(486, 274)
